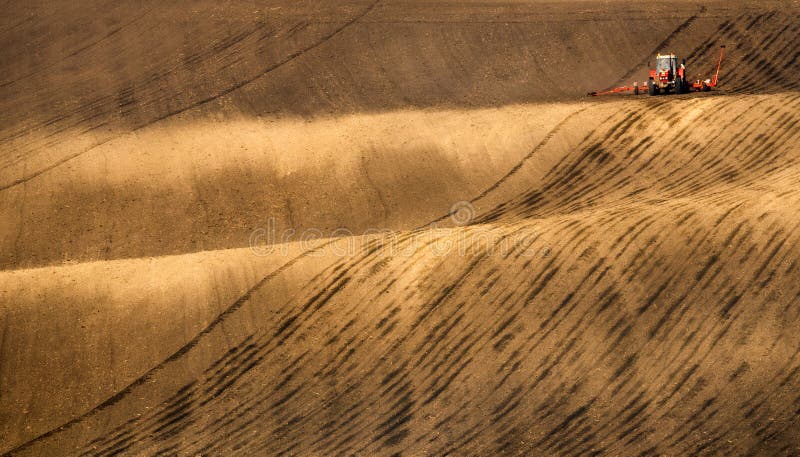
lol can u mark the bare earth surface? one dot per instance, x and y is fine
(623, 278)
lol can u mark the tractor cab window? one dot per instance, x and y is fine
(665, 64)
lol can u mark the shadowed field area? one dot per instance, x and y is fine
(623, 278)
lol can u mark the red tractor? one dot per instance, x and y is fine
(669, 76)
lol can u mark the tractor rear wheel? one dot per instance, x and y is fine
(651, 87)
(680, 86)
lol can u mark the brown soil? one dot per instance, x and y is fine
(628, 284)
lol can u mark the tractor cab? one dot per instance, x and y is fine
(666, 67)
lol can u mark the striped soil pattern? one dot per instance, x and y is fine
(630, 286)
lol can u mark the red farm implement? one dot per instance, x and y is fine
(669, 77)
